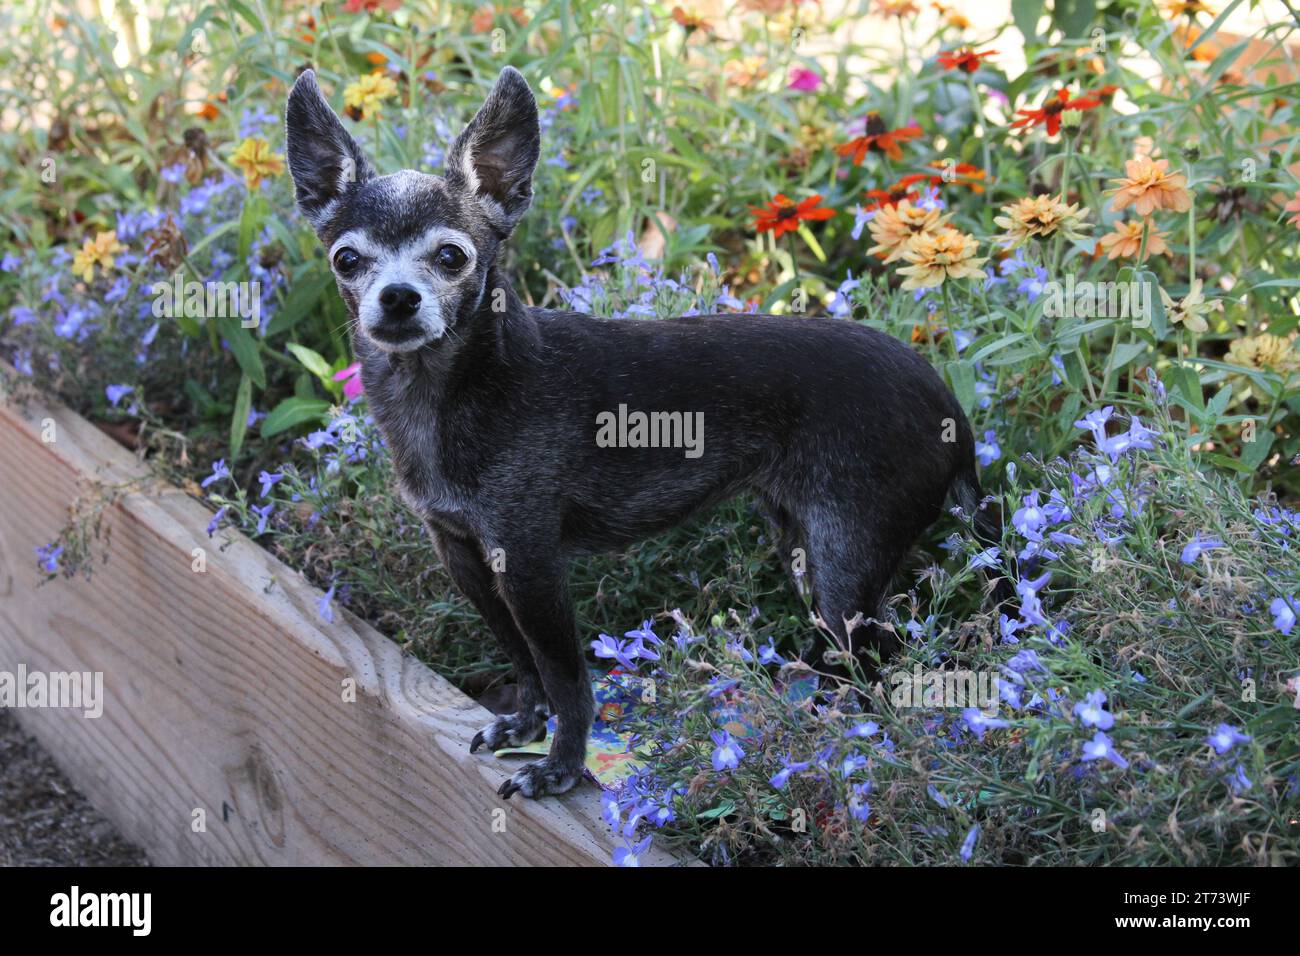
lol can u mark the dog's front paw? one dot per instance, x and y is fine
(512, 730)
(543, 778)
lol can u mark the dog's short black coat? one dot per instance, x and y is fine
(490, 410)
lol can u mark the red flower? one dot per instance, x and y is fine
(370, 6)
(896, 193)
(966, 59)
(1051, 110)
(878, 139)
(963, 174)
(783, 215)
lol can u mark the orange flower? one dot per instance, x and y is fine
(952, 17)
(1294, 206)
(1150, 186)
(208, 111)
(896, 8)
(1126, 241)
(963, 174)
(690, 22)
(481, 21)
(966, 59)
(893, 227)
(783, 215)
(901, 190)
(1050, 112)
(876, 138)
(935, 257)
(1186, 8)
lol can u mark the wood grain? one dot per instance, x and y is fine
(224, 692)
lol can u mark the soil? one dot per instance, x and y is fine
(44, 820)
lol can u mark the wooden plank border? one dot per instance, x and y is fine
(224, 691)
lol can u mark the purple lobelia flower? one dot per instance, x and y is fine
(1101, 747)
(1198, 546)
(1224, 737)
(630, 855)
(1092, 712)
(728, 753)
(979, 722)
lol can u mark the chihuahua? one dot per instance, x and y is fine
(523, 436)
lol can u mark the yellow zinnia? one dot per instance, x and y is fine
(98, 251)
(369, 92)
(1037, 217)
(935, 257)
(255, 159)
(1263, 351)
(892, 226)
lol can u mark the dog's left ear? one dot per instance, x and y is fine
(494, 157)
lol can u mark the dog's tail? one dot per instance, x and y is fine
(987, 518)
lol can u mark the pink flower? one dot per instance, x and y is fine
(803, 80)
(351, 379)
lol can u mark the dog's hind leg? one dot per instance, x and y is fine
(469, 570)
(851, 566)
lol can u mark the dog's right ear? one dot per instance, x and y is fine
(324, 160)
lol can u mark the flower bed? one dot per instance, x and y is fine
(1084, 218)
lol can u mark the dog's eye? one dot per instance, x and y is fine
(347, 260)
(450, 257)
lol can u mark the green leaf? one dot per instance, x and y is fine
(243, 346)
(721, 810)
(302, 298)
(1254, 452)
(312, 361)
(961, 379)
(1124, 354)
(250, 222)
(293, 412)
(1074, 16)
(1026, 13)
(239, 418)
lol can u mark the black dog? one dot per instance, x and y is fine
(522, 436)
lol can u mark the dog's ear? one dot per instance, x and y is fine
(324, 160)
(494, 157)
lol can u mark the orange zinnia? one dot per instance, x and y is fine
(964, 174)
(901, 190)
(1150, 186)
(690, 22)
(1050, 112)
(783, 214)
(1126, 241)
(878, 139)
(966, 59)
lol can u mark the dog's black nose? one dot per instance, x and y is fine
(399, 301)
